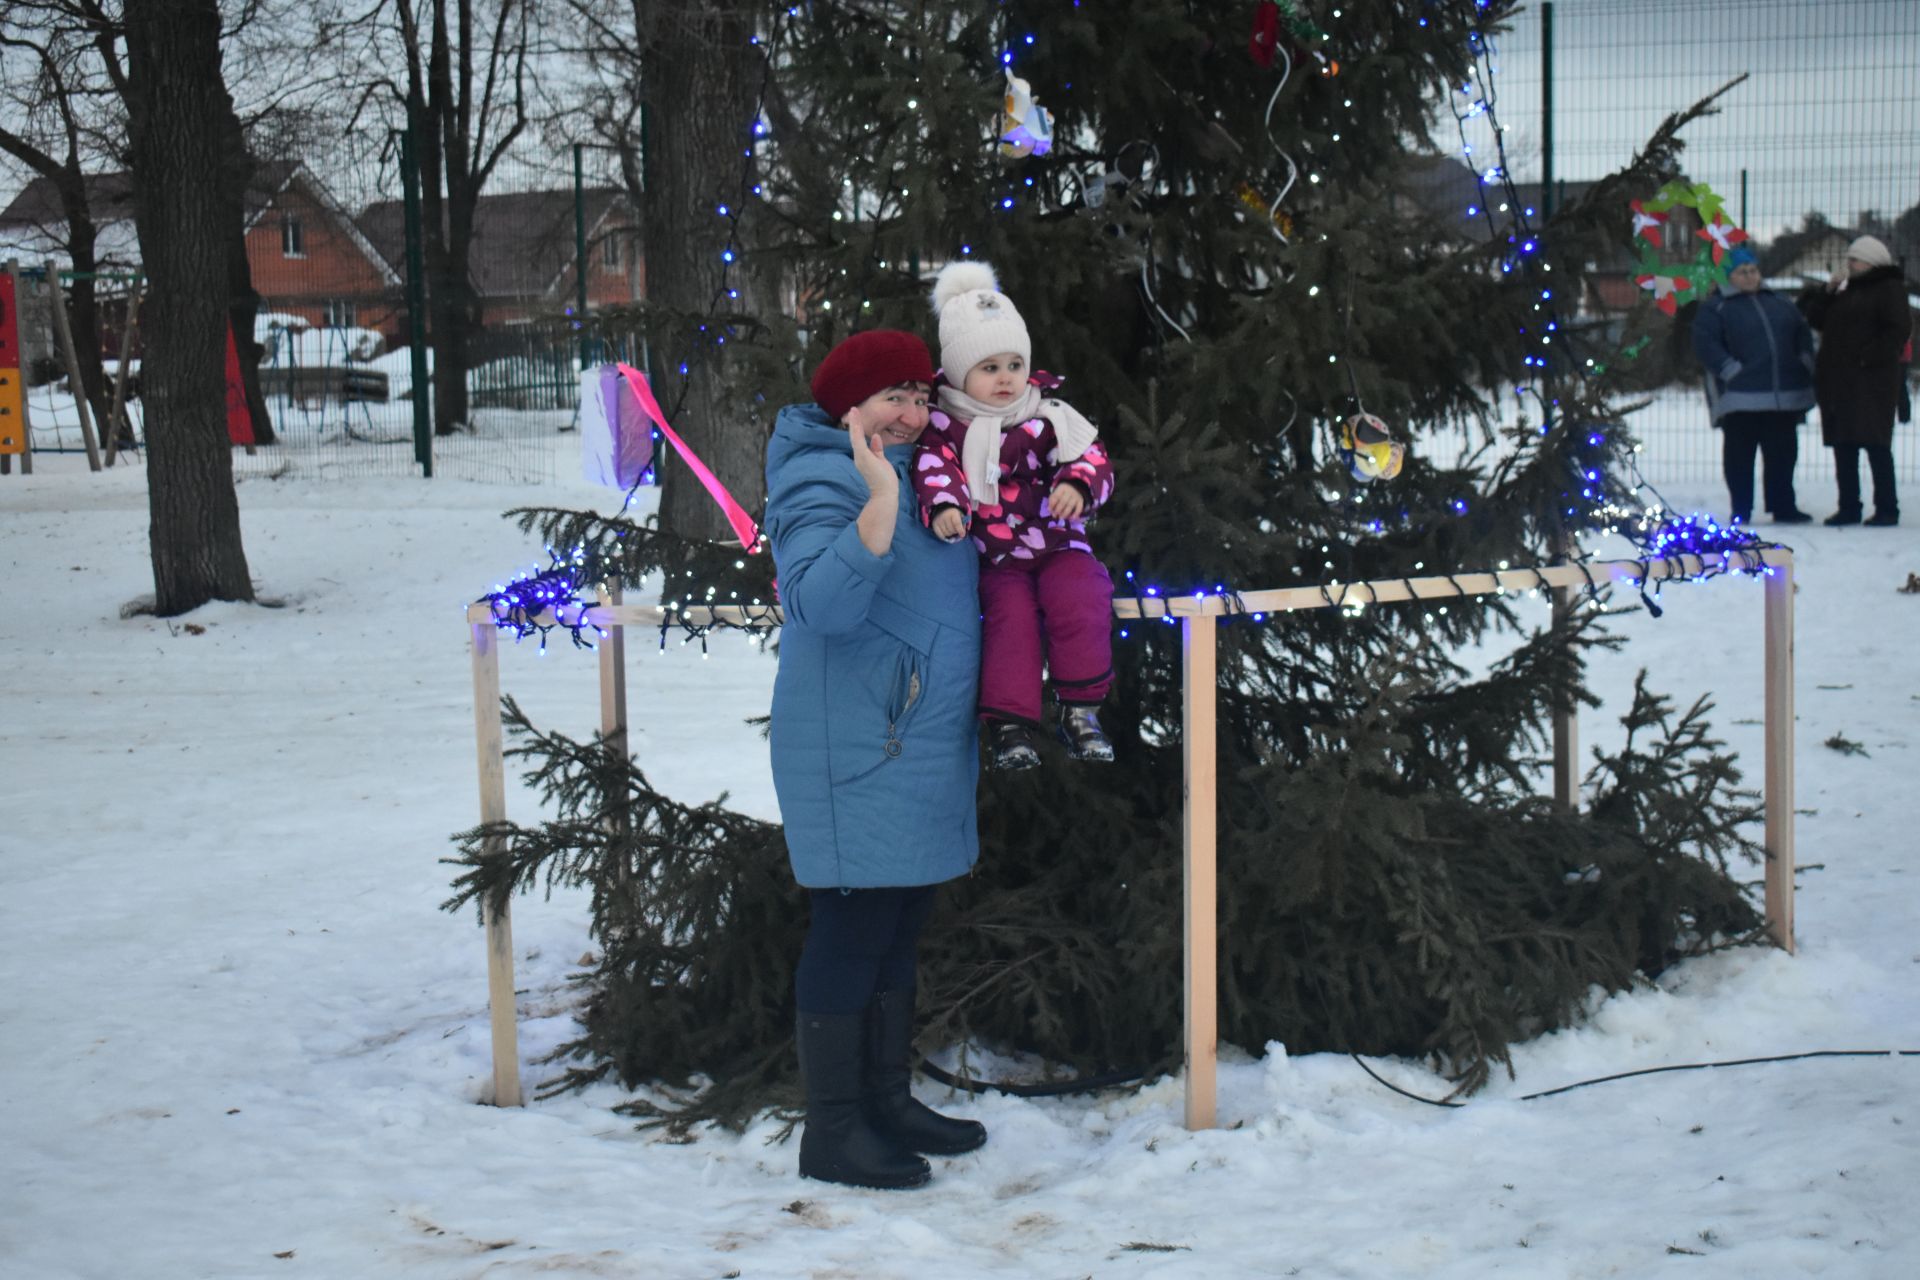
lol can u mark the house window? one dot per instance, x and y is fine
(293, 242)
(340, 313)
(610, 253)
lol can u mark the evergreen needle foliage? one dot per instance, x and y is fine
(1392, 880)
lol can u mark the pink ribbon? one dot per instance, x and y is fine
(737, 516)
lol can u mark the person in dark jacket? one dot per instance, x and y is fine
(874, 747)
(1758, 354)
(1864, 322)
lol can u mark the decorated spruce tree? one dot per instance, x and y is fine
(1229, 247)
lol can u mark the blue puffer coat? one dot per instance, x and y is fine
(1757, 351)
(875, 748)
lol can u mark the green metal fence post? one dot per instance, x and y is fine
(417, 305)
(580, 256)
(1546, 110)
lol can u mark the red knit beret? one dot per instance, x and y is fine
(866, 363)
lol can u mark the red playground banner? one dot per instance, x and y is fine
(239, 421)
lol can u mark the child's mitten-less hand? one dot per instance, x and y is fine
(949, 525)
(1066, 502)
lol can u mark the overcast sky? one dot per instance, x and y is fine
(1829, 118)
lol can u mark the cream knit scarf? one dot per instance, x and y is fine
(986, 426)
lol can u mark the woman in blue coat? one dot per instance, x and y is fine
(875, 757)
(1758, 356)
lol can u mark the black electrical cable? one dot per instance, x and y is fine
(1649, 1071)
(1113, 1079)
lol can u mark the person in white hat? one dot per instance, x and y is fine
(1864, 324)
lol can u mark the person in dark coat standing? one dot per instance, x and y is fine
(1758, 354)
(1864, 321)
(874, 747)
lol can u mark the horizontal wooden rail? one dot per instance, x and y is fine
(1199, 684)
(1278, 600)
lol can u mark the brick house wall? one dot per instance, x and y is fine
(306, 263)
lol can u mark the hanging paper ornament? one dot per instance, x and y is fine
(1646, 225)
(1281, 219)
(1302, 27)
(1675, 284)
(1697, 196)
(1723, 235)
(616, 436)
(1026, 129)
(1094, 191)
(1368, 450)
(1264, 41)
(1668, 290)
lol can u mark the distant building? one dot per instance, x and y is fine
(307, 257)
(524, 249)
(310, 259)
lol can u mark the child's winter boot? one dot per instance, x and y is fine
(1010, 745)
(1080, 730)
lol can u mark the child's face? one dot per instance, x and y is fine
(999, 379)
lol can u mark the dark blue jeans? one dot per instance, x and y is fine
(1777, 438)
(859, 942)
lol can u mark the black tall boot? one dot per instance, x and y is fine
(891, 1108)
(838, 1145)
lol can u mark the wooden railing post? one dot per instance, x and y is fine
(613, 674)
(1779, 752)
(1566, 711)
(490, 743)
(1198, 688)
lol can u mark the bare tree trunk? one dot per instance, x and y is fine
(466, 103)
(702, 79)
(179, 115)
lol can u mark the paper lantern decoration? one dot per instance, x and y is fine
(616, 435)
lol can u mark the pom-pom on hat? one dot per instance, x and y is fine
(867, 363)
(1741, 256)
(976, 319)
(1868, 249)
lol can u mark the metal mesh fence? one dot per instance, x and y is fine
(1820, 143)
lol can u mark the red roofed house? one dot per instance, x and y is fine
(524, 249)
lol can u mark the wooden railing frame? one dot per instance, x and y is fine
(1196, 617)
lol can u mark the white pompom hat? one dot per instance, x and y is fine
(976, 319)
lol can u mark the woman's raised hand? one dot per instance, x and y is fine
(870, 458)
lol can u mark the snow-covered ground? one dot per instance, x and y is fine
(239, 1038)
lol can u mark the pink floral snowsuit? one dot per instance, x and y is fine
(1047, 602)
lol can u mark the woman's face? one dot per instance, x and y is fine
(1856, 267)
(897, 415)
